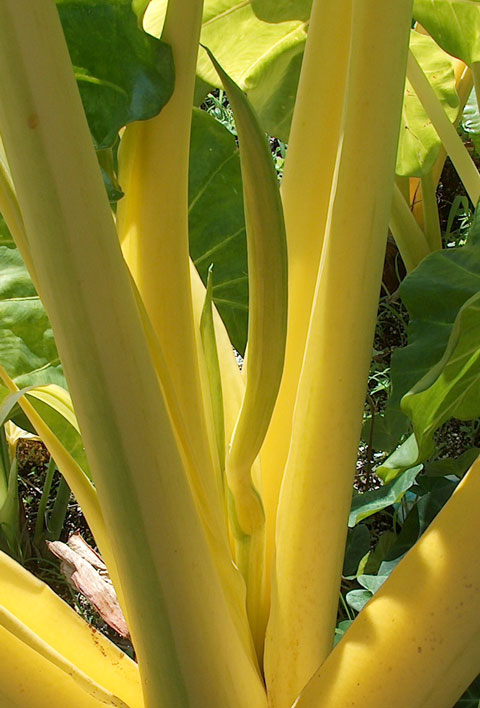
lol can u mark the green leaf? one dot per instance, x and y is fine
(454, 24)
(262, 57)
(358, 545)
(267, 65)
(471, 120)
(369, 503)
(27, 346)
(217, 221)
(433, 294)
(357, 599)
(5, 235)
(457, 467)
(451, 389)
(123, 73)
(340, 630)
(9, 515)
(274, 11)
(419, 143)
(375, 563)
(421, 515)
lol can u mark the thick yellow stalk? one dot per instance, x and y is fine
(152, 222)
(317, 487)
(189, 650)
(307, 180)
(29, 680)
(422, 628)
(41, 610)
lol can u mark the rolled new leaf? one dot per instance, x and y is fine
(268, 297)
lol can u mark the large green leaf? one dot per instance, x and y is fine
(433, 294)
(27, 347)
(454, 24)
(262, 57)
(419, 143)
(217, 222)
(451, 389)
(123, 73)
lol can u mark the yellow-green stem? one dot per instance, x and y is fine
(188, 647)
(306, 185)
(422, 626)
(317, 487)
(152, 221)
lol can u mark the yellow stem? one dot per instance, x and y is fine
(422, 626)
(317, 487)
(306, 186)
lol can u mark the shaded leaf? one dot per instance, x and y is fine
(364, 505)
(457, 467)
(420, 516)
(451, 389)
(27, 347)
(358, 545)
(123, 75)
(357, 599)
(217, 222)
(433, 294)
(340, 630)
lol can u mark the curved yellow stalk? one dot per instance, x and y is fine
(29, 680)
(14, 626)
(317, 487)
(425, 638)
(306, 186)
(37, 607)
(152, 223)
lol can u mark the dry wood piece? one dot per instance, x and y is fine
(87, 573)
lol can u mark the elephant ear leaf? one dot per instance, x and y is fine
(451, 389)
(217, 223)
(454, 25)
(438, 369)
(123, 76)
(27, 346)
